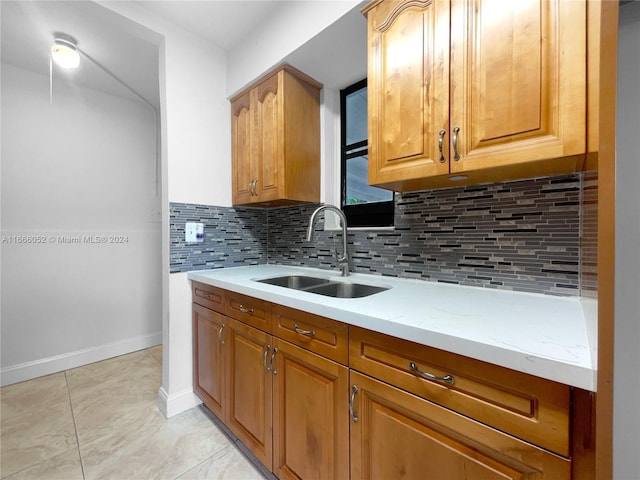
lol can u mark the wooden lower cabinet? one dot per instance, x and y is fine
(310, 415)
(248, 386)
(287, 405)
(208, 359)
(399, 435)
(297, 411)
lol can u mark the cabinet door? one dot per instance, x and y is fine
(249, 389)
(268, 138)
(518, 81)
(310, 415)
(208, 358)
(241, 148)
(408, 90)
(399, 435)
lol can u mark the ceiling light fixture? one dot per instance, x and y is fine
(64, 51)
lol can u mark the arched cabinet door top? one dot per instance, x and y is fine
(398, 10)
(240, 104)
(267, 87)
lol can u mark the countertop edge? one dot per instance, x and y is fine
(241, 280)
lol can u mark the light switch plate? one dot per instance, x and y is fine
(194, 232)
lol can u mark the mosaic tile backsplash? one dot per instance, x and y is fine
(522, 235)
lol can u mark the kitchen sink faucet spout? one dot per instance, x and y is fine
(344, 260)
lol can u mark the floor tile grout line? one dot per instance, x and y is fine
(75, 425)
(203, 461)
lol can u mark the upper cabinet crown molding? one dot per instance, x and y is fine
(486, 91)
(275, 135)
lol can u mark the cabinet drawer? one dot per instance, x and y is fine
(250, 310)
(321, 335)
(399, 435)
(208, 296)
(527, 407)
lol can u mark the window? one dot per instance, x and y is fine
(363, 205)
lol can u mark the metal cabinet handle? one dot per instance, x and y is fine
(354, 390)
(428, 376)
(244, 309)
(202, 294)
(264, 358)
(309, 333)
(456, 155)
(252, 187)
(273, 354)
(220, 339)
(440, 140)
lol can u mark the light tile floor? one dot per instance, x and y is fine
(101, 421)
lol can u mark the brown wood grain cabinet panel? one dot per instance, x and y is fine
(276, 140)
(209, 368)
(241, 148)
(321, 335)
(399, 435)
(408, 90)
(249, 389)
(493, 90)
(527, 407)
(250, 310)
(208, 296)
(518, 81)
(310, 415)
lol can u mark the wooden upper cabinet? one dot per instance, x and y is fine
(275, 130)
(518, 81)
(241, 123)
(490, 89)
(408, 89)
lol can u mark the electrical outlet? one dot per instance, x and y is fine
(194, 232)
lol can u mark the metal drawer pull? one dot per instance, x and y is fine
(273, 354)
(456, 155)
(446, 379)
(309, 333)
(220, 339)
(264, 358)
(354, 390)
(440, 140)
(252, 187)
(244, 309)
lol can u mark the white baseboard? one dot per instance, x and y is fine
(47, 366)
(171, 405)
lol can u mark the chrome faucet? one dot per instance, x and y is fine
(344, 260)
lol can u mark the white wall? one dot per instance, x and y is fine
(626, 393)
(196, 168)
(196, 131)
(278, 36)
(83, 166)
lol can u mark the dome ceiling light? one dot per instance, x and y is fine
(64, 51)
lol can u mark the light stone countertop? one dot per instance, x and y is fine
(542, 335)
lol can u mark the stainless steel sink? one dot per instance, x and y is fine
(346, 290)
(297, 282)
(324, 286)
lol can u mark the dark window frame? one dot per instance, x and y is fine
(373, 215)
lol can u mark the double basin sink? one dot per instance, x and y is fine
(324, 286)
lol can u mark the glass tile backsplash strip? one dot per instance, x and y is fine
(522, 235)
(233, 237)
